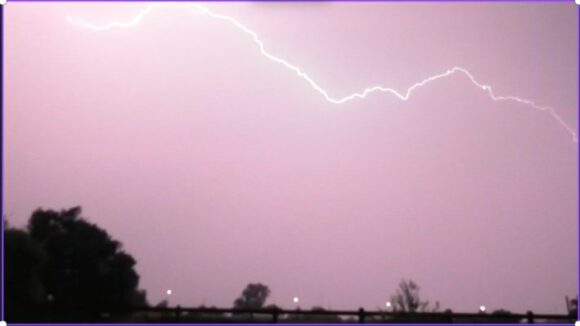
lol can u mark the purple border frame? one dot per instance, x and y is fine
(409, 1)
(2, 147)
(2, 294)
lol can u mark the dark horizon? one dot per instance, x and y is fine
(62, 268)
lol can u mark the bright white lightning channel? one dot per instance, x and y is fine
(404, 96)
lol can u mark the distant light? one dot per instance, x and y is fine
(295, 299)
(388, 304)
(169, 292)
(482, 308)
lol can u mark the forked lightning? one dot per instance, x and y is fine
(336, 100)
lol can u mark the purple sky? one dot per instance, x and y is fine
(216, 166)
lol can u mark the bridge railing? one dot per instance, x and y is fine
(274, 315)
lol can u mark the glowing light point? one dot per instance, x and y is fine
(388, 304)
(3, 323)
(169, 292)
(295, 299)
(482, 308)
(578, 3)
(577, 323)
(3, 2)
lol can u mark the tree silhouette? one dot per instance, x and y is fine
(253, 297)
(407, 298)
(25, 293)
(87, 272)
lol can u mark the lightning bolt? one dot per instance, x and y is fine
(404, 96)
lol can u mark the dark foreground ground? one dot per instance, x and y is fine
(215, 315)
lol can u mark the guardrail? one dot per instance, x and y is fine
(178, 314)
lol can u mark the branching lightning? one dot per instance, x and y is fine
(404, 96)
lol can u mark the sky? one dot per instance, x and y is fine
(217, 166)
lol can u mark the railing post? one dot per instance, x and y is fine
(361, 315)
(530, 317)
(275, 315)
(177, 313)
(450, 317)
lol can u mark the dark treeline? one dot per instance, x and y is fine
(61, 268)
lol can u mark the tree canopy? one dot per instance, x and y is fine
(253, 297)
(80, 269)
(24, 288)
